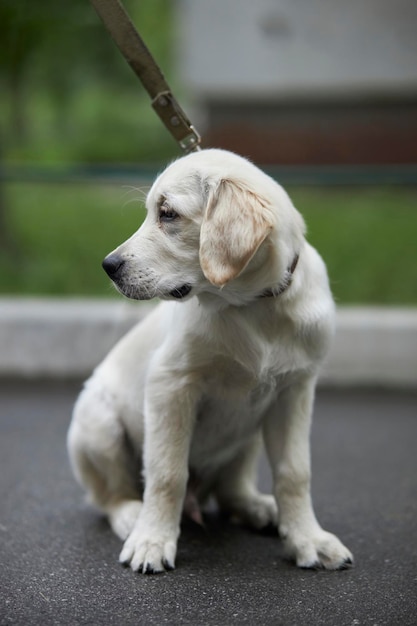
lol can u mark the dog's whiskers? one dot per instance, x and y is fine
(143, 192)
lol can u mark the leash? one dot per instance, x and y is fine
(133, 48)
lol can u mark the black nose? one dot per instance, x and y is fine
(112, 264)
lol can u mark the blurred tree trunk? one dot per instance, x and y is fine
(18, 121)
(4, 230)
(7, 243)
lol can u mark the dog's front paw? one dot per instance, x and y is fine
(149, 553)
(320, 549)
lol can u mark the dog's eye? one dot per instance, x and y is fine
(166, 214)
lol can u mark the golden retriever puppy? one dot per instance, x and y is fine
(177, 410)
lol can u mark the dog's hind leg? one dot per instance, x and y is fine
(102, 461)
(237, 493)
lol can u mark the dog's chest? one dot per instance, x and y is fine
(224, 422)
(235, 399)
(244, 367)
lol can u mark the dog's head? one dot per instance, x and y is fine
(215, 223)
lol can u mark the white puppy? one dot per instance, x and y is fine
(187, 394)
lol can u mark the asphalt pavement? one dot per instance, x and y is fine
(58, 557)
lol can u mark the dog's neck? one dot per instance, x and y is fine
(274, 292)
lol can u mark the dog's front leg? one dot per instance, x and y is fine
(169, 419)
(287, 440)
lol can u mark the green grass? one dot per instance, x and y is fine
(97, 128)
(60, 234)
(368, 238)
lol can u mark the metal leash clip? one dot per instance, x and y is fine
(176, 121)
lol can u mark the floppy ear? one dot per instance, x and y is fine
(235, 224)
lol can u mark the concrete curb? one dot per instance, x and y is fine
(67, 338)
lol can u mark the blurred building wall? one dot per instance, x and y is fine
(304, 81)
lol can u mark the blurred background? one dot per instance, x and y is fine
(322, 94)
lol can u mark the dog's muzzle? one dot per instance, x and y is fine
(113, 265)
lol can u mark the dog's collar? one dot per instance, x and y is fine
(274, 292)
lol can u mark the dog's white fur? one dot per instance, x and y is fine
(191, 389)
